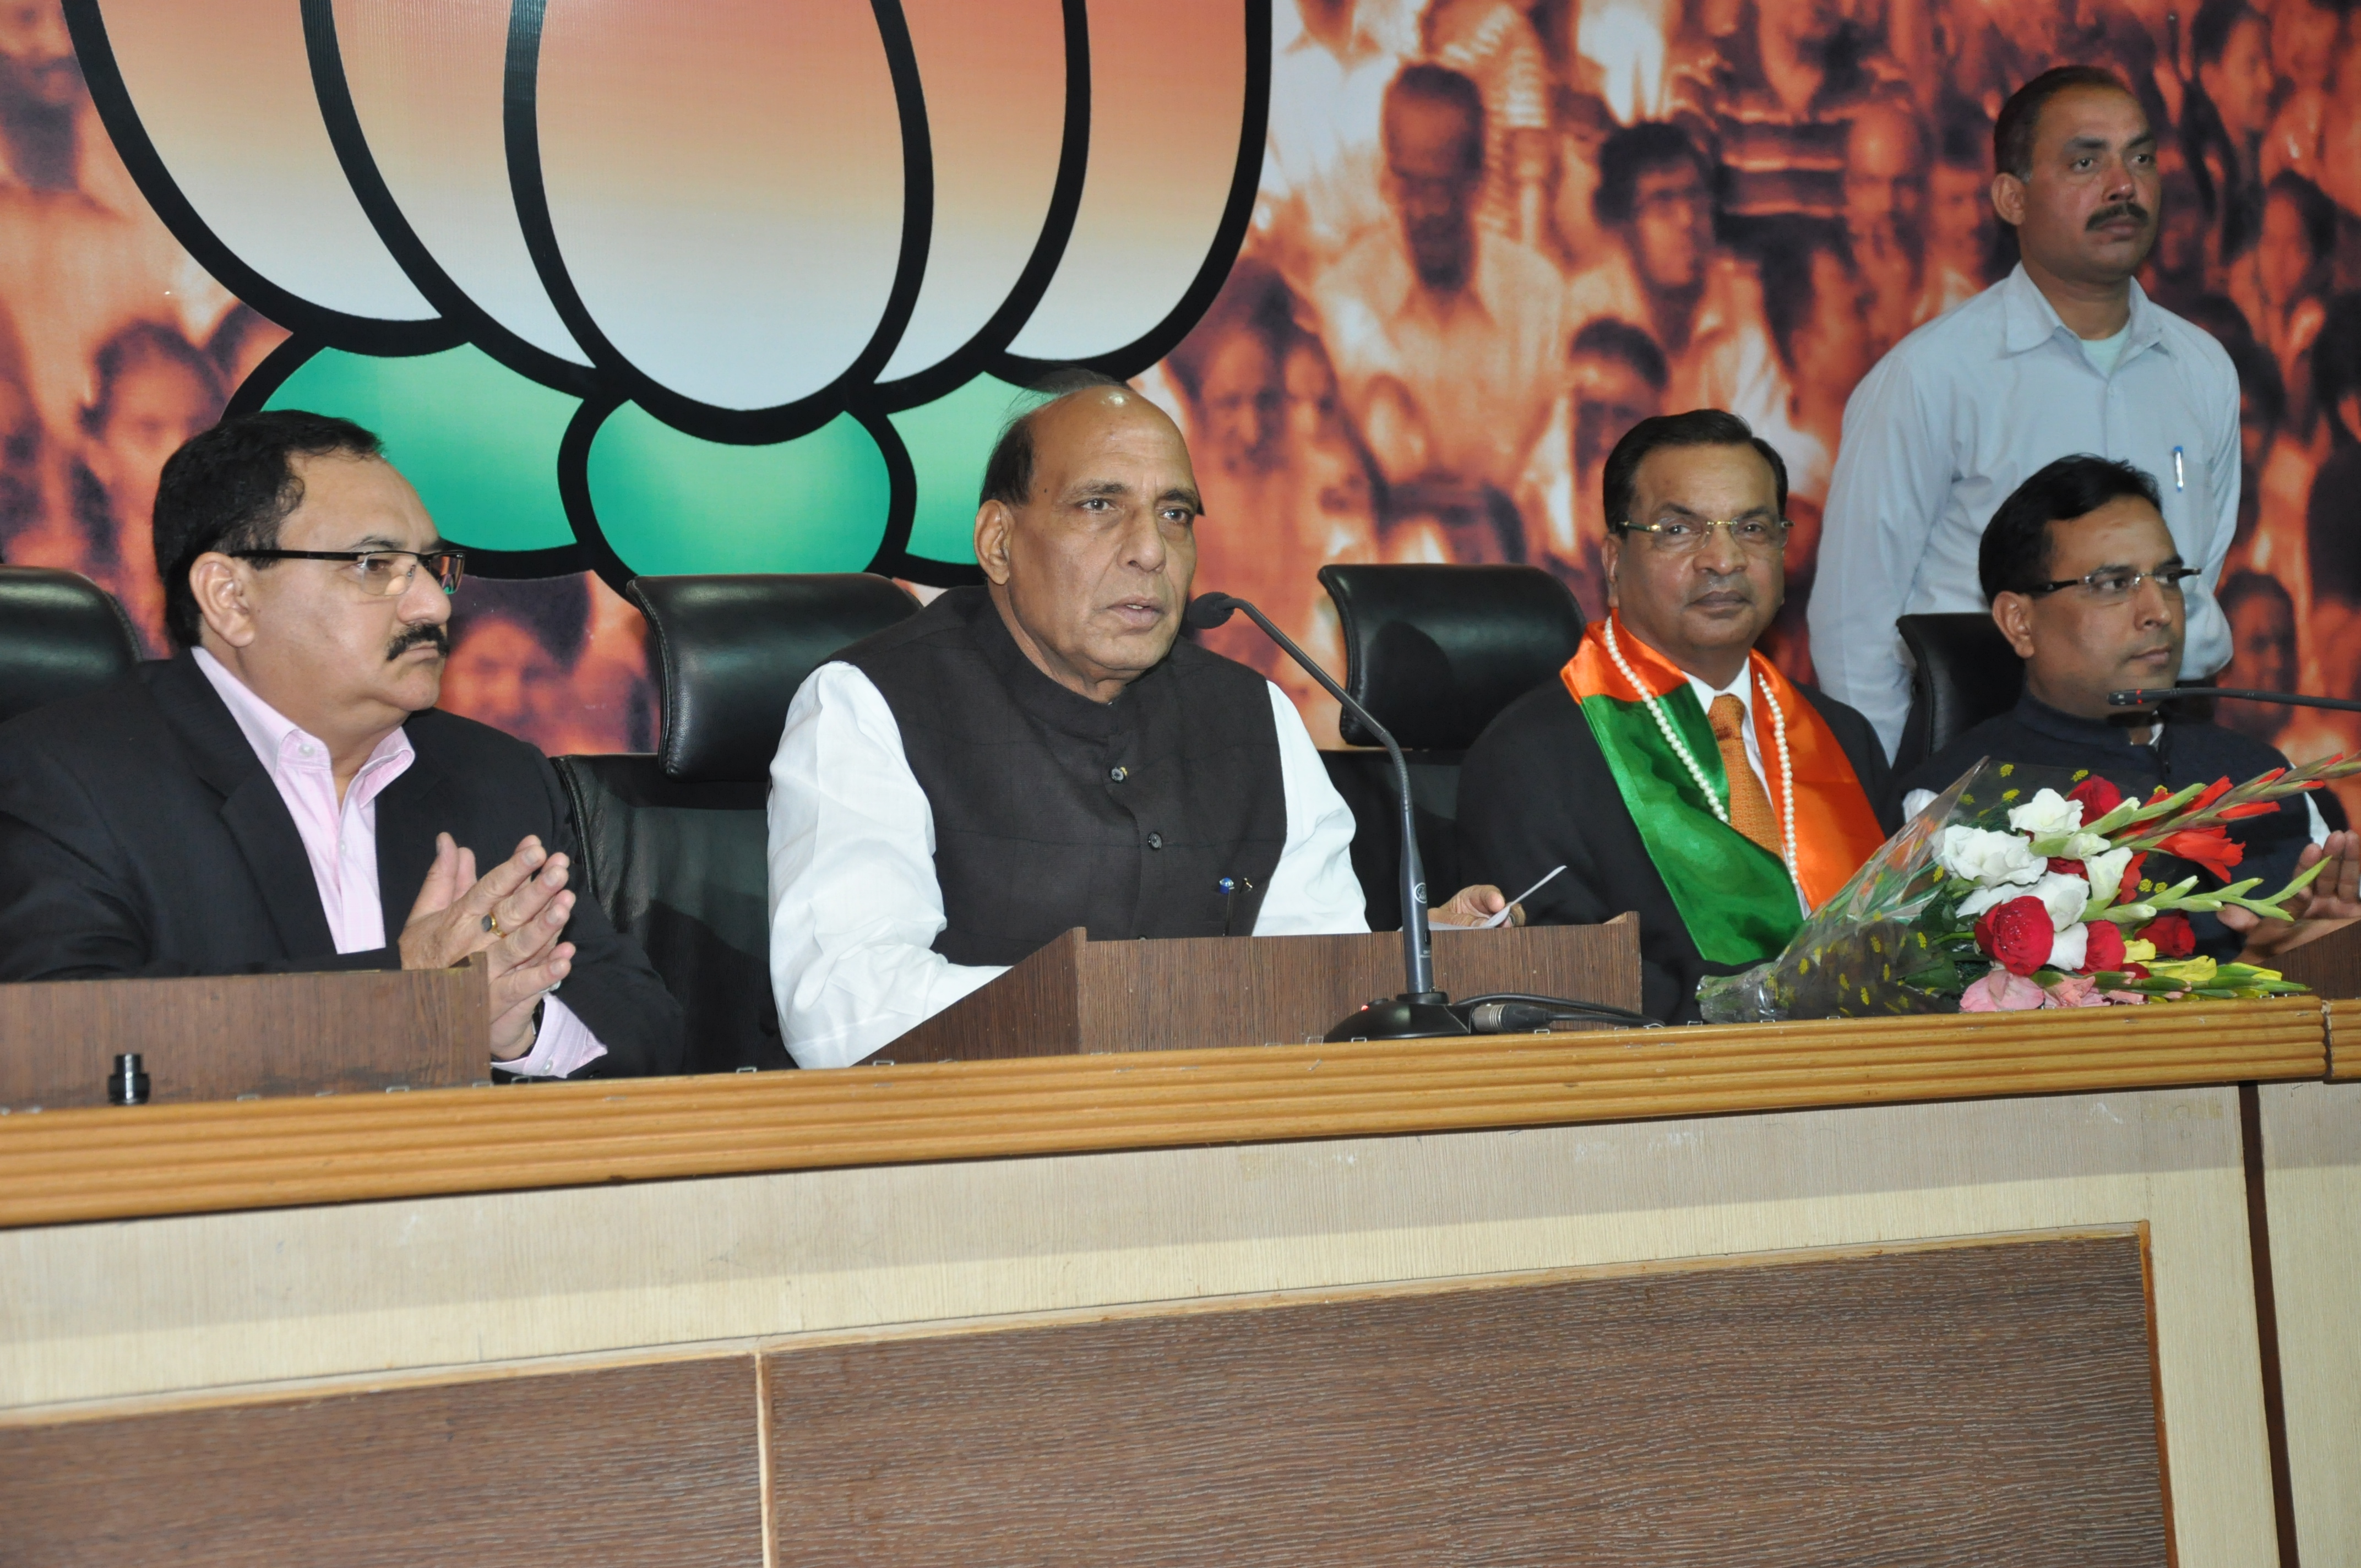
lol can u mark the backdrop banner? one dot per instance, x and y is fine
(746, 287)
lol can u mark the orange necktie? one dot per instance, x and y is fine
(1749, 809)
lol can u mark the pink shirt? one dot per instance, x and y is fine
(340, 839)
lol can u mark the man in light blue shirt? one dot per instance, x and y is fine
(2065, 354)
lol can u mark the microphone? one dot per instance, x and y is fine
(1420, 1012)
(2143, 697)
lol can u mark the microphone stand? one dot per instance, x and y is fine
(2143, 697)
(1420, 1012)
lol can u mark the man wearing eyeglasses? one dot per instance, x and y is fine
(1671, 769)
(2088, 585)
(282, 795)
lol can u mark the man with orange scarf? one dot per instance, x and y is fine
(1671, 769)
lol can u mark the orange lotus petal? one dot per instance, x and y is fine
(725, 188)
(1158, 180)
(995, 79)
(428, 82)
(224, 92)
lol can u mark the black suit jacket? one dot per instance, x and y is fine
(140, 835)
(1535, 793)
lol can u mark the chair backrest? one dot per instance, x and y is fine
(674, 845)
(61, 635)
(1966, 673)
(1435, 654)
(732, 651)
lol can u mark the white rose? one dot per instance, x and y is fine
(2065, 896)
(2107, 869)
(2069, 947)
(1989, 858)
(2046, 814)
(2062, 893)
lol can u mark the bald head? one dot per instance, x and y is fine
(1090, 549)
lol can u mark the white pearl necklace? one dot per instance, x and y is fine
(1680, 747)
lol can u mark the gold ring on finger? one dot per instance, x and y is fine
(492, 924)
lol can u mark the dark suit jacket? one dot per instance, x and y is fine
(139, 834)
(1535, 793)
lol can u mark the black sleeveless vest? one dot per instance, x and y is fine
(1053, 811)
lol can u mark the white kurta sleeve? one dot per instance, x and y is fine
(854, 902)
(1313, 891)
(1893, 473)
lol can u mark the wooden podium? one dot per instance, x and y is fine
(221, 1037)
(1077, 997)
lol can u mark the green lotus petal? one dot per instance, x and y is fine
(479, 440)
(670, 503)
(948, 440)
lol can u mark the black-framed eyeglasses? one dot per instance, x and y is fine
(2115, 584)
(1683, 535)
(386, 574)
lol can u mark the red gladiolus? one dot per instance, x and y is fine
(2173, 935)
(2069, 867)
(2017, 935)
(2127, 890)
(2207, 846)
(2098, 798)
(2251, 808)
(2209, 794)
(2106, 948)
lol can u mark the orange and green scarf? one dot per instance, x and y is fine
(1734, 895)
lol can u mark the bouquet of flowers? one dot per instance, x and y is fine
(2021, 888)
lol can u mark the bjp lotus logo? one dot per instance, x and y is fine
(708, 285)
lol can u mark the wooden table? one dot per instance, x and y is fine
(1971, 1289)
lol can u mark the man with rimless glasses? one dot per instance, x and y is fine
(1671, 769)
(283, 796)
(2086, 583)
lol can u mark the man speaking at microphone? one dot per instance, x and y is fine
(2087, 583)
(1040, 753)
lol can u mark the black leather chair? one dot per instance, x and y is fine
(60, 634)
(673, 844)
(1966, 673)
(1435, 654)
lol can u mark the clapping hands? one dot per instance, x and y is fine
(512, 914)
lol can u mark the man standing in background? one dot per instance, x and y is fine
(2065, 354)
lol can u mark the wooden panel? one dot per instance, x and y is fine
(89, 1165)
(93, 1316)
(1964, 1404)
(653, 1465)
(2311, 1159)
(2331, 965)
(1201, 992)
(216, 1038)
(2344, 1020)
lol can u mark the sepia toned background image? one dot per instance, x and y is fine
(1654, 204)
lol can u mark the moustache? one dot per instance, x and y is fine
(2131, 210)
(439, 636)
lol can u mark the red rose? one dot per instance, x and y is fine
(2106, 948)
(2017, 935)
(2098, 798)
(2171, 934)
(2067, 866)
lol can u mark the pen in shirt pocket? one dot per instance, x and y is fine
(2176, 474)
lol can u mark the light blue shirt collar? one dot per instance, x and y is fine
(2028, 319)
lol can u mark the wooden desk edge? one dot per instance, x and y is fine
(76, 1167)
